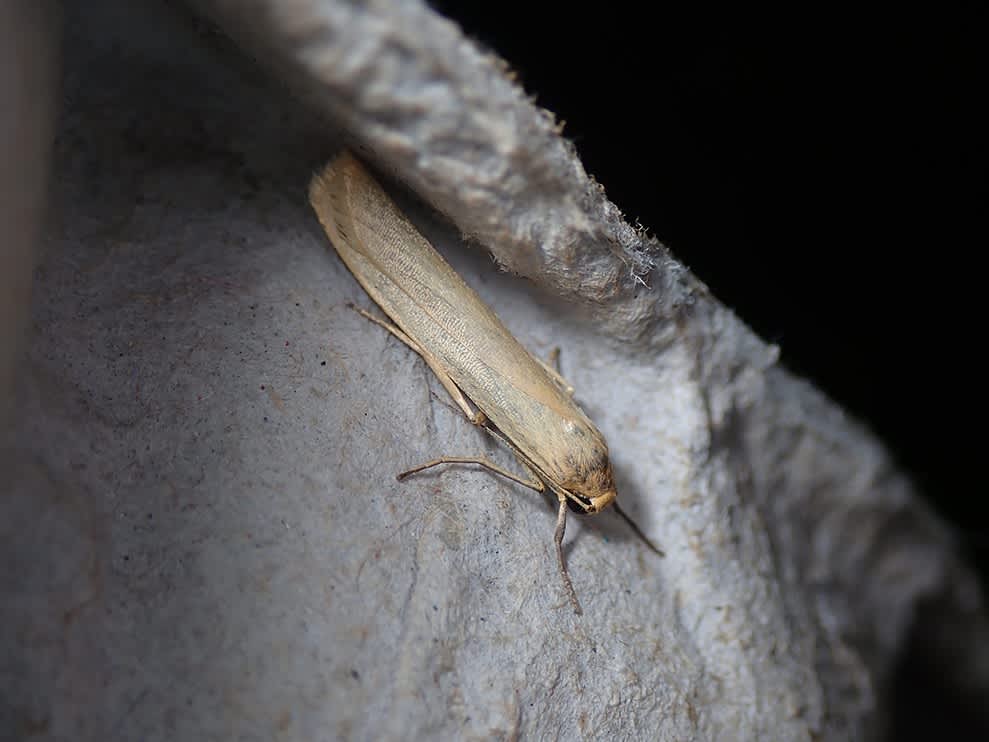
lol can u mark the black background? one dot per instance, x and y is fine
(823, 174)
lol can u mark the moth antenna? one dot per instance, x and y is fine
(638, 531)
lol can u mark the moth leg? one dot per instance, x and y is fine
(554, 359)
(534, 484)
(552, 367)
(561, 529)
(388, 326)
(475, 416)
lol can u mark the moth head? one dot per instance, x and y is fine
(595, 492)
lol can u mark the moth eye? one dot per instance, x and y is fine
(575, 508)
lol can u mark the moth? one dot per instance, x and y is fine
(490, 376)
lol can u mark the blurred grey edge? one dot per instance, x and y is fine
(29, 35)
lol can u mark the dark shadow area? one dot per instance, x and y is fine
(924, 709)
(926, 702)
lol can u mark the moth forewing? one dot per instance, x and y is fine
(463, 341)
